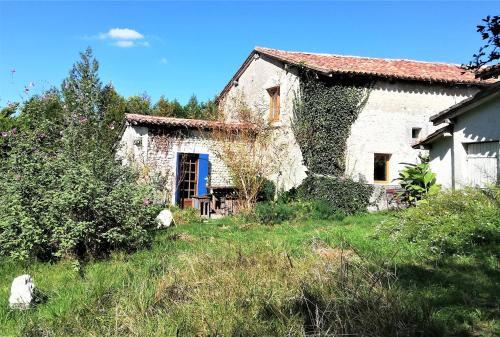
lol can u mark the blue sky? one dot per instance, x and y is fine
(180, 48)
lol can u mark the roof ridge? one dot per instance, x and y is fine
(356, 56)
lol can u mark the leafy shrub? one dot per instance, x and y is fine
(452, 222)
(63, 190)
(54, 203)
(342, 194)
(288, 196)
(323, 210)
(186, 216)
(278, 212)
(267, 191)
(273, 212)
(418, 181)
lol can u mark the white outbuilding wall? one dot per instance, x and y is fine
(481, 124)
(471, 156)
(441, 161)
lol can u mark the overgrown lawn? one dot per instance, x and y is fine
(231, 278)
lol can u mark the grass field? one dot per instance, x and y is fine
(231, 278)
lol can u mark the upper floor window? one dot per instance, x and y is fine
(274, 104)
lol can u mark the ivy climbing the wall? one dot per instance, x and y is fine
(324, 112)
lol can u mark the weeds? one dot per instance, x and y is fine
(227, 278)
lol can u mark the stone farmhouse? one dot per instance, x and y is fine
(404, 95)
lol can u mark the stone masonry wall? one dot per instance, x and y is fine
(154, 151)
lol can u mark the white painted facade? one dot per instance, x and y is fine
(383, 126)
(469, 156)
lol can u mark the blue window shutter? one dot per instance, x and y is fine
(177, 178)
(202, 174)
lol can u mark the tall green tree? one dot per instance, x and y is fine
(210, 110)
(139, 105)
(166, 108)
(113, 107)
(193, 108)
(82, 88)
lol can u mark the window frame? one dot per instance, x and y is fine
(387, 158)
(274, 104)
(417, 130)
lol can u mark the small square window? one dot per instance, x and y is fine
(415, 132)
(381, 167)
(274, 104)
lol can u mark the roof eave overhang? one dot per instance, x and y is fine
(426, 143)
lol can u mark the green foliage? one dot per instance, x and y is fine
(358, 301)
(166, 108)
(193, 109)
(288, 196)
(418, 181)
(342, 194)
(324, 114)
(267, 191)
(270, 213)
(452, 222)
(186, 216)
(292, 279)
(63, 191)
(82, 88)
(139, 105)
(113, 107)
(7, 119)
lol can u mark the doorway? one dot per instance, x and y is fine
(188, 179)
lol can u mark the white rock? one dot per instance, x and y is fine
(21, 292)
(164, 219)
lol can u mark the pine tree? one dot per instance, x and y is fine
(82, 88)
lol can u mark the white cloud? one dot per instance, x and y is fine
(121, 34)
(124, 44)
(124, 38)
(163, 60)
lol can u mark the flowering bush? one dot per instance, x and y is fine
(63, 191)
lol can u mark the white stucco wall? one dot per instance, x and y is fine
(480, 124)
(441, 160)
(384, 125)
(158, 153)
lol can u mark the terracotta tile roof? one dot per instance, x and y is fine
(389, 68)
(138, 119)
(366, 66)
